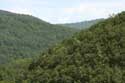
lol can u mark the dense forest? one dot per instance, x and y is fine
(94, 55)
(23, 36)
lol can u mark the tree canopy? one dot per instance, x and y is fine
(94, 55)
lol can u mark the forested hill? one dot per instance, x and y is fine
(23, 36)
(95, 55)
(82, 25)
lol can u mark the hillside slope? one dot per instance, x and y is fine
(82, 25)
(23, 36)
(95, 55)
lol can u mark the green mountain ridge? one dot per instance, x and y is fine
(22, 36)
(82, 25)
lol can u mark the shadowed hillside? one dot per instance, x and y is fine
(23, 36)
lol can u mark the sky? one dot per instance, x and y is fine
(64, 11)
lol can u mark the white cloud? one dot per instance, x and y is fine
(88, 11)
(63, 11)
(86, 7)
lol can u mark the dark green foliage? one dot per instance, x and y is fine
(82, 25)
(23, 36)
(15, 71)
(95, 55)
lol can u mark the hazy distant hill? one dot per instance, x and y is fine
(24, 35)
(82, 25)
